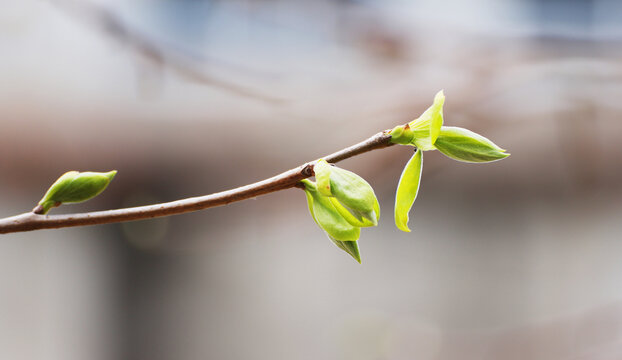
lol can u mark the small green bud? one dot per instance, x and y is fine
(327, 217)
(407, 190)
(351, 247)
(402, 134)
(353, 193)
(74, 187)
(465, 145)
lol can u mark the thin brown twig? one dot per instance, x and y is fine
(288, 179)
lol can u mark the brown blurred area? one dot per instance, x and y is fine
(519, 259)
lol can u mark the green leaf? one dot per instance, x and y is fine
(436, 114)
(407, 190)
(322, 170)
(351, 247)
(74, 187)
(309, 187)
(327, 217)
(465, 145)
(352, 191)
(426, 128)
(355, 218)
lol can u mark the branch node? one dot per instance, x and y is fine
(307, 170)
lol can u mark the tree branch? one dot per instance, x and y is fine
(108, 22)
(288, 179)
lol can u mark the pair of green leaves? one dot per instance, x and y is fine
(74, 187)
(428, 133)
(341, 203)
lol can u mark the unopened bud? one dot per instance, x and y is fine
(327, 217)
(74, 187)
(353, 193)
(402, 134)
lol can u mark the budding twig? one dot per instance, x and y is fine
(288, 179)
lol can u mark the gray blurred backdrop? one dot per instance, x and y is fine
(520, 259)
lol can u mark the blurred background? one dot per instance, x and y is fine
(520, 259)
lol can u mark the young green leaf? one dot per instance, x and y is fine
(323, 170)
(355, 218)
(352, 191)
(427, 127)
(436, 115)
(465, 145)
(74, 187)
(327, 217)
(351, 247)
(407, 190)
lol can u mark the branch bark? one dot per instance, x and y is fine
(288, 179)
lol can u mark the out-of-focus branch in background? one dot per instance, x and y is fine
(111, 25)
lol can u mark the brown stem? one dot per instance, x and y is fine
(31, 221)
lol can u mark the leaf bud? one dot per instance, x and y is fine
(327, 217)
(74, 187)
(352, 192)
(402, 134)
